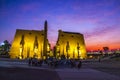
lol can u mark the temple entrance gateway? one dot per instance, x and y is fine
(34, 43)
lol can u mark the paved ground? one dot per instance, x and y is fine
(27, 74)
(86, 74)
(15, 70)
(111, 67)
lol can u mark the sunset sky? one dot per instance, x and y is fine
(98, 20)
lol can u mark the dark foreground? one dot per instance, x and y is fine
(90, 70)
(27, 74)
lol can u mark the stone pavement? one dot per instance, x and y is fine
(85, 74)
(17, 73)
(67, 73)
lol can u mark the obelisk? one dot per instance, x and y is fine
(45, 40)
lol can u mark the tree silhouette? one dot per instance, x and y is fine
(5, 47)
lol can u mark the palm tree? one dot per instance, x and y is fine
(6, 47)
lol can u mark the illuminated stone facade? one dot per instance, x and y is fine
(71, 45)
(29, 43)
(34, 43)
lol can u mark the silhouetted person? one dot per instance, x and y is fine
(72, 63)
(30, 61)
(79, 64)
(40, 62)
(99, 59)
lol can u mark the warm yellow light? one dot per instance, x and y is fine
(20, 51)
(44, 57)
(48, 48)
(80, 52)
(36, 50)
(51, 53)
(20, 57)
(75, 51)
(59, 57)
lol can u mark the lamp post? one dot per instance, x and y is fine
(78, 47)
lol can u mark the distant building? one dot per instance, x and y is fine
(70, 45)
(30, 43)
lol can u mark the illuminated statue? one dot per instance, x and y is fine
(78, 47)
(29, 44)
(34, 43)
(21, 47)
(35, 47)
(73, 43)
(67, 49)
